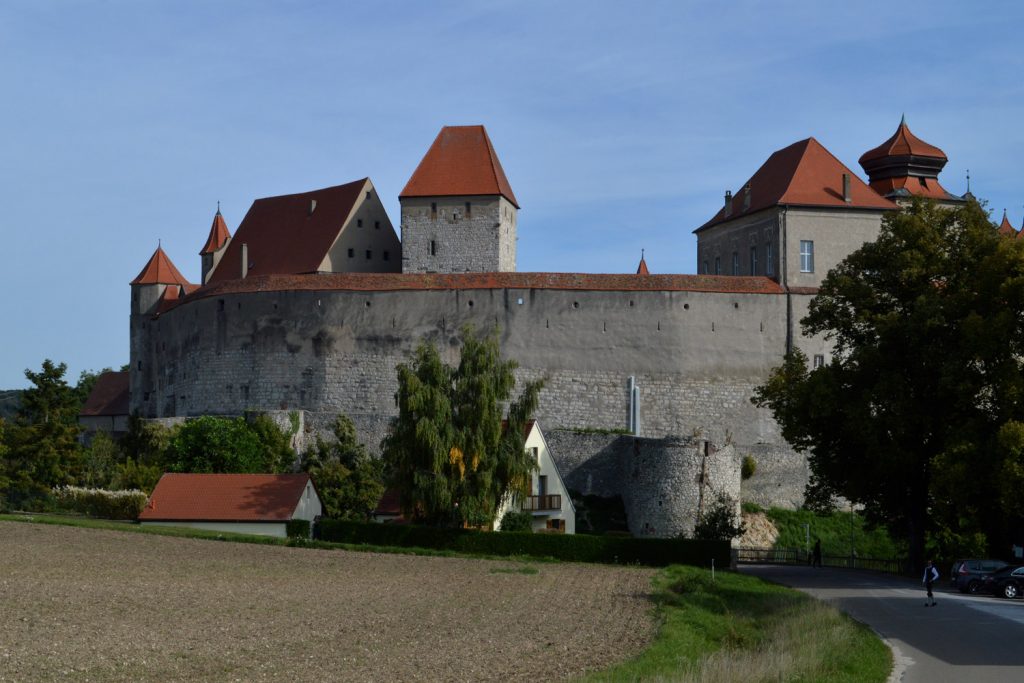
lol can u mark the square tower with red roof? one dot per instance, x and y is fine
(458, 209)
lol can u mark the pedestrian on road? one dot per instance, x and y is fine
(931, 574)
(816, 562)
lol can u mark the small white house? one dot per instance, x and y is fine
(240, 503)
(549, 502)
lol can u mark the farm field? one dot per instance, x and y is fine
(87, 604)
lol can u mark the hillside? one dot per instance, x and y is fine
(10, 399)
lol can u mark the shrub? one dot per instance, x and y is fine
(297, 528)
(654, 552)
(748, 467)
(719, 522)
(517, 521)
(100, 502)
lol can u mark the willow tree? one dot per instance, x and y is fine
(449, 453)
(919, 416)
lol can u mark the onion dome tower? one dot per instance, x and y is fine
(905, 166)
(1005, 228)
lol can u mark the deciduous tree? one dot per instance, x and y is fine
(349, 480)
(918, 415)
(447, 452)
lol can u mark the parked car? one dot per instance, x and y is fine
(968, 575)
(1008, 582)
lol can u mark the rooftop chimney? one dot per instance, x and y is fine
(846, 188)
(245, 260)
(312, 207)
(728, 203)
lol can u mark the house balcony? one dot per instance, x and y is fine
(542, 503)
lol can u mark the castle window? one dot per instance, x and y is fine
(718, 265)
(469, 210)
(433, 248)
(369, 254)
(753, 260)
(433, 210)
(359, 222)
(139, 365)
(735, 263)
(351, 253)
(769, 266)
(220, 304)
(806, 256)
(386, 256)
(376, 225)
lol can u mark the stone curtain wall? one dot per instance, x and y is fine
(696, 358)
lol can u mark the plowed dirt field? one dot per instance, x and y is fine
(85, 604)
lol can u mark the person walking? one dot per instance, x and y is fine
(931, 574)
(816, 561)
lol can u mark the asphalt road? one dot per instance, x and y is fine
(963, 639)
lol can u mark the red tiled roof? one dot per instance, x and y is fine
(159, 271)
(389, 282)
(283, 237)
(461, 161)
(1006, 228)
(218, 235)
(225, 497)
(803, 174)
(903, 143)
(109, 396)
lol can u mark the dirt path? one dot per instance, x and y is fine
(100, 605)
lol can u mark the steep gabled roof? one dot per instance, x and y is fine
(159, 271)
(288, 235)
(109, 396)
(461, 161)
(803, 174)
(903, 143)
(218, 235)
(225, 497)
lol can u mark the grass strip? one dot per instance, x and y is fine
(740, 628)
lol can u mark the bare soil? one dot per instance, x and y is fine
(759, 532)
(95, 605)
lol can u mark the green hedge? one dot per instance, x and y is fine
(655, 552)
(100, 502)
(297, 528)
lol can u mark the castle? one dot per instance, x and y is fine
(314, 301)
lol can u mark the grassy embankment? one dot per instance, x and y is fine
(734, 627)
(739, 628)
(835, 532)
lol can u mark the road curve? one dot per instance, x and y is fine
(965, 638)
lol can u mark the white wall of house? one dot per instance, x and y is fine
(257, 528)
(309, 506)
(547, 490)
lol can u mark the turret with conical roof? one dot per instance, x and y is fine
(458, 209)
(905, 166)
(216, 245)
(1006, 228)
(152, 283)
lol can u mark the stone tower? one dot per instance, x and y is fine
(216, 245)
(458, 209)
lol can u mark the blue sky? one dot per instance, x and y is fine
(619, 125)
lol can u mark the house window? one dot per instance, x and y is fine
(369, 254)
(433, 248)
(718, 265)
(368, 195)
(387, 255)
(819, 360)
(351, 253)
(433, 210)
(806, 256)
(753, 260)
(535, 452)
(735, 263)
(359, 222)
(769, 267)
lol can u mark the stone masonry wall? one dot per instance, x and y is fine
(451, 239)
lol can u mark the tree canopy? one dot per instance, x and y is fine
(349, 480)
(217, 444)
(919, 415)
(447, 452)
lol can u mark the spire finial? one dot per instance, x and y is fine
(218, 207)
(903, 119)
(159, 242)
(968, 180)
(641, 252)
